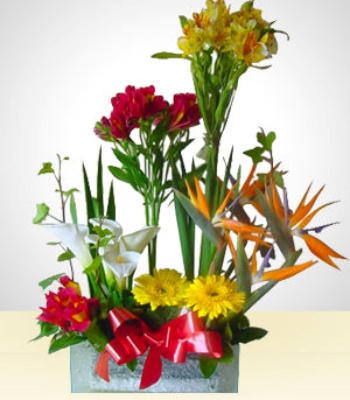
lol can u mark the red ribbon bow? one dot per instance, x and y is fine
(132, 337)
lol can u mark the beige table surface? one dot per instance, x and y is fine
(306, 355)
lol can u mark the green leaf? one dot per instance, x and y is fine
(100, 184)
(183, 21)
(252, 333)
(46, 169)
(122, 175)
(164, 55)
(64, 341)
(67, 193)
(111, 213)
(88, 196)
(96, 336)
(132, 365)
(46, 329)
(255, 154)
(244, 276)
(266, 140)
(200, 220)
(207, 366)
(42, 211)
(73, 209)
(48, 281)
(281, 233)
(66, 256)
(93, 266)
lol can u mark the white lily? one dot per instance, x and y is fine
(136, 241)
(122, 264)
(73, 237)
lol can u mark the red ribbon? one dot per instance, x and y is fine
(174, 340)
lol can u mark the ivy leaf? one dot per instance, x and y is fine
(48, 281)
(66, 256)
(266, 140)
(46, 169)
(255, 154)
(42, 211)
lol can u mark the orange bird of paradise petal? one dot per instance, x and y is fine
(198, 199)
(287, 272)
(321, 250)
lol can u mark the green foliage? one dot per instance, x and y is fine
(42, 211)
(46, 169)
(49, 281)
(242, 332)
(200, 220)
(66, 256)
(46, 330)
(60, 342)
(266, 141)
(244, 276)
(207, 366)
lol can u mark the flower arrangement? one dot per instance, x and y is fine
(246, 233)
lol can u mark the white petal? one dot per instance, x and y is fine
(73, 237)
(123, 264)
(109, 224)
(137, 241)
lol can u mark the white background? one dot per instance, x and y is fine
(62, 61)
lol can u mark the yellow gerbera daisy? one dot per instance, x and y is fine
(214, 296)
(165, 287)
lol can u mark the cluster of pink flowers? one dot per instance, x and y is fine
(142, 104)
(67, 308)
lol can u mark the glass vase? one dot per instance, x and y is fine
(176, 378)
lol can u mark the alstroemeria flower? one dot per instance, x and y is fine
(184, 112)
(73, 237)
(244, 33)
(67, 308)
(129, 108)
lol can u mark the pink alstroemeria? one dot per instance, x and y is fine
(67, 308)
(184, 112)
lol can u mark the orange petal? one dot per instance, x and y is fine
(303, 209)
(287, 272)
(308, 218)
(226, 199)
(321, 250)
(202, 201)
(241, 227)
(231, 247)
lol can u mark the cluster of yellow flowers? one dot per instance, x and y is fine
(245, 32)
(211, 296)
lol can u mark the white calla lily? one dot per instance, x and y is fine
(113, 226)
(73, 237)
(122, 265)
(137, 241)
